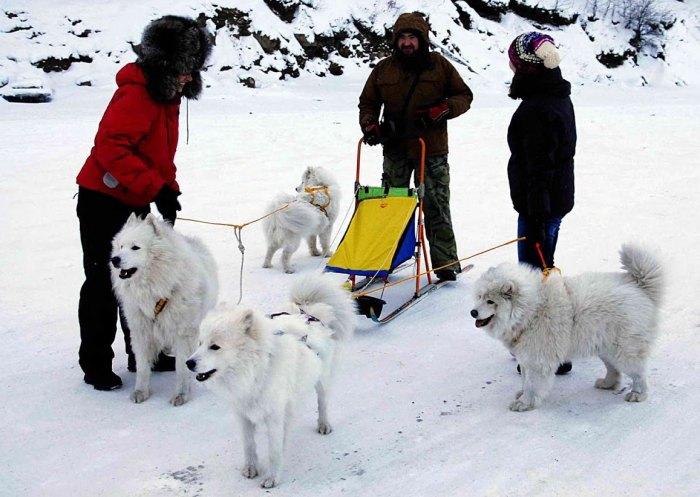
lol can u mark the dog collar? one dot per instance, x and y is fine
(160, 305)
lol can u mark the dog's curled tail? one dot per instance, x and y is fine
(644, 268)
(298, 217)
(320, 296)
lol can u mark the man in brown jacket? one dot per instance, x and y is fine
(419, 90)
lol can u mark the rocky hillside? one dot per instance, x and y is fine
(259, 42)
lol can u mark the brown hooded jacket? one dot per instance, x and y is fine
(389, 84)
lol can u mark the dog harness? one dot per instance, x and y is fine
(309, 319)
(313, 190)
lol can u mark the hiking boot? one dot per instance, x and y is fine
(446, 274)
(163, 363)
(564, 368)
(103, 382)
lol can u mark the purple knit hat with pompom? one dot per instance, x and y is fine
(531, 52)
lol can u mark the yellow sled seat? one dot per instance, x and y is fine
(381, 236)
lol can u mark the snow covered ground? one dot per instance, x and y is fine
(420, 407)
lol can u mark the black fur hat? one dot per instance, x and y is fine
(170, 46)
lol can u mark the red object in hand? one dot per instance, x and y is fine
(372, 134)
(438, 112)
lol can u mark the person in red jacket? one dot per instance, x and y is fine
(130, 166)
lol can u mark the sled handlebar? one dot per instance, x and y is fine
(421, 173)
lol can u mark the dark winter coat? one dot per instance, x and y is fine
(542, 141)
(134, 151)
(389, 84)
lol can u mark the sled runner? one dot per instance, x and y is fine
(386, 231)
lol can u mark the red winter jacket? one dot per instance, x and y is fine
(135, 144)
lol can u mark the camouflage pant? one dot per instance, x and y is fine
(436, 203)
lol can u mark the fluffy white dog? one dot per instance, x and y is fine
(166, 283)
(310, 214)
(265, 364)
(547, 322)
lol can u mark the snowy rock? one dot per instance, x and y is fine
(28, 91)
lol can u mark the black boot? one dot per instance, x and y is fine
(446, 274)
(164, 362)
(103, 381)
(564, 368)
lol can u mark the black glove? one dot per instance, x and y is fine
(167, 203)
(372, 134)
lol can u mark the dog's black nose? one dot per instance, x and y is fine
(191, 364)
(116, 261)
(474, 313)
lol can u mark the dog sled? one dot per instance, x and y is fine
(385, 236)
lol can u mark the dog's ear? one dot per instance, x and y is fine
(153, 223)
(507, 290)
(132, 218)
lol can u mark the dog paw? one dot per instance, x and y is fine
(520, 406)
(269, 482)
(604, 385)
(139, 396)
(635, 397)
(178, 399)
(250, 471)
(267, 265)
(324, 428)
(289, 270)
(315, 252)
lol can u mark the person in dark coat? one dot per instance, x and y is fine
(130, 166)
(542, 142)
(439, 94)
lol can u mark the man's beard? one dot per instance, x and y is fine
(415, 60)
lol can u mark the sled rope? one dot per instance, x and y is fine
(411, 278)
(238, 233)
(233, 225)
(546, 271)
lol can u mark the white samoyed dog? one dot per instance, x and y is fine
(545, 322)
(310, 214)
(165, 283)
(265, 364)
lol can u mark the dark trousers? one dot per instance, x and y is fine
(101, 217)
(526, 250)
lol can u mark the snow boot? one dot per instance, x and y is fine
(104, 381)
(446, 274)
(163, 363)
